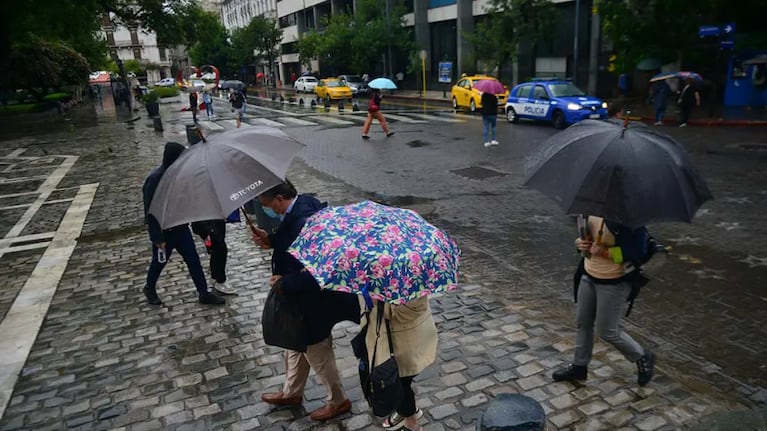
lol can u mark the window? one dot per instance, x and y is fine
(163, 54)
(540, 93)
(137, 53)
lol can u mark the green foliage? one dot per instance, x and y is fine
(208, 40)
(53, 97)
(353, 42)
(22, 108)
(134, 66)
(263, 35)
(37, 63)
(163, 92)
(508, 23)
(151, 97)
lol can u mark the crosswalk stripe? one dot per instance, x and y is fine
(211, 126)
(266, 122)
(332, 120)
(436, 118)
(229, 122)
(403, 119)
(297, 121)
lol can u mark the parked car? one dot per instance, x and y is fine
(166, 82)
(554, 100)
(464, 95)
(305, 83)
(355, 83)
(332, 88)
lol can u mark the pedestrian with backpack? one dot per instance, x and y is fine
(606, 280)
(237, 99)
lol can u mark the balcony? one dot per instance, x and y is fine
(127, 44)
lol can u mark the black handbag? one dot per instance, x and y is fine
(282, 322)
(383, 383)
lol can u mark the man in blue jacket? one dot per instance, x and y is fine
(321, 309)
(178, 238)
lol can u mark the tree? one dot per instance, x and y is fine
(38, 64)
(208, 41)
(262, 35)
(355, 40)
(508, 24)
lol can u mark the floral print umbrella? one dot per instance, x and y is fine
(390, 254)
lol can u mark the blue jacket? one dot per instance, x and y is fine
(172, 151)
(321, 309)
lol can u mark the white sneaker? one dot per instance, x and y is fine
(487, 144)
(659, 123)
(493, 142)
(222, 288)
(683, 125)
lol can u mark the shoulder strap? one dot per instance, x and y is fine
(380, 317)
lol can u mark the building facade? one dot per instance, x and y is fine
(439, 26)
(134, 43)
(238, 13)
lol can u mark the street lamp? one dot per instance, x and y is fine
(575, 43)
(388, 38)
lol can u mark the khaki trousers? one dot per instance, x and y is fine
(321, 358)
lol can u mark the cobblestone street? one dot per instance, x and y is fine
(104, 360)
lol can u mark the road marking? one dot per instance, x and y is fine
(297, 121)
(21, 325)
(232, 123)
(403, 119)
(267, 122)
(332, 120)
(436, 118)
(13, 207)
(45, 190)
(212, 126)
(5, 242)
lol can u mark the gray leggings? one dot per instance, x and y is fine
(603, 305)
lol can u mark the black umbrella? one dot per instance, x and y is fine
(626, 173)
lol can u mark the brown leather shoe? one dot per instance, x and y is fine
(279, 399)
(329, 412)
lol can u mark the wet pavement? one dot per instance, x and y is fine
(105, 360)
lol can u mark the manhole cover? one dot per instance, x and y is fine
(477, 173)
(417, 143)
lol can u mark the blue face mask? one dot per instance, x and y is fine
(270, 212)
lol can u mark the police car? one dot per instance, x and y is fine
(555, 100)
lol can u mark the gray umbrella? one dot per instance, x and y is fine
(629, 174)
(212, 179)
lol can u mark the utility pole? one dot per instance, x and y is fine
(388, 40)
(575, 40)
(594, 50)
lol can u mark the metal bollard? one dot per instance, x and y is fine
(355, 107)
(157, 123)
(512, 412)
(193, 134)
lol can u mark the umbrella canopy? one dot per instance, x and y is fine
(391, 254)
(212, 179)
(232, 83)
(759, 59)
(680, 75)
(630, 174)
(306, 73)
(649, 64)
(489, 86)
(382, 84)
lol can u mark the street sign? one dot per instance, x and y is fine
(445, 71)
(727, 44)
(709, 30)
(728, 28)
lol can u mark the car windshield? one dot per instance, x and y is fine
(565, 90)
(334, 84)
(310, 79)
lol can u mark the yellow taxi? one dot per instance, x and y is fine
(331, 88)
(464, 95)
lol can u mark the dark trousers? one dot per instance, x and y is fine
(218, 251)
(180, 239)
(684, 113)
(406, 405)
(194, 115)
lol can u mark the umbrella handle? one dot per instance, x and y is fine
(248, 221)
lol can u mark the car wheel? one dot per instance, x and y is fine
(455, 104)
(511, 115)
(472, 106)
(558, 119)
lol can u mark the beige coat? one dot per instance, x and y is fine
(414, 336)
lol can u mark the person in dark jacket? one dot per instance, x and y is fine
(688, 98)
(193, 104)
(489, 117)
(610, 267)
(178, 238)
(660, 92)
(321, 309)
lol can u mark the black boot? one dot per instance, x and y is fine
(645, 368)
(151, 296)
(211, 299)
(571, 373)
